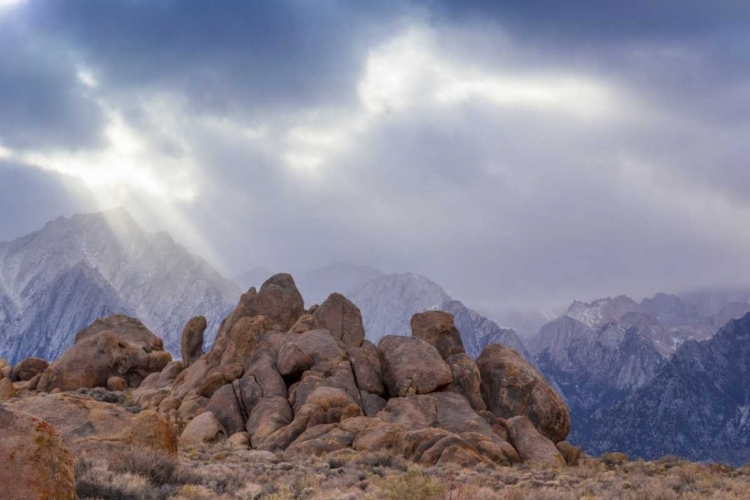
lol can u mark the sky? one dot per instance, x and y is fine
(519, 153)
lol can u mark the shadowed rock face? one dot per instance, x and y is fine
(34, 462)
(512, 387)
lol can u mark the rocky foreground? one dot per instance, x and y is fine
(292, 403)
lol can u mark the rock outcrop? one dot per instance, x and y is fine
(191, 341)
(437, 329)
(282, 378)
(131, 330)
(512, 387)
(34, 462)
(342, 318)
(412, 366)
(96, 358)
(96, 428)
(28, 369)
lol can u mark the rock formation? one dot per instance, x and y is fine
(34, 462)
(282, 378)
(191, 342)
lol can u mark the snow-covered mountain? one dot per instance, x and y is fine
(55, 281)
(388, 302)
(318, 284)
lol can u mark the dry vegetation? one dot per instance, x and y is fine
(248, 475)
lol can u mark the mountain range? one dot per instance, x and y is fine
(697, 406)
(57, 280)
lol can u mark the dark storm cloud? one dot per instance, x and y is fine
(41, 100)
(226, 56)
(308, 138)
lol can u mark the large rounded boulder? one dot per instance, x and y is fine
(342, 318)
(512, 387)
(27, 369)
(438, 329)
(93, 360)
(34, 462)
(100, 430)
(129, 329)
(411, 366)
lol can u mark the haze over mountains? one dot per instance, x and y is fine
(608, 358)
(57, 280)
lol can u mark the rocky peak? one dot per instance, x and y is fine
(600, 312)
(696, 405)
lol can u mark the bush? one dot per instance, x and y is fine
(157, 466)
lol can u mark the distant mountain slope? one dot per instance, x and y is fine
(696, 406)
(136, 272)
(389, 301)
(343, 278)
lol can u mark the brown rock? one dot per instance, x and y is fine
(34, 462)
(93, 360)
(227, 407)
(411, 366)
(191, 342)
(293, 361)
(512, 387)
(278, 300)
(239, 342)
(7, 390)
(379, 436)
(262, 368)
(203, 429)
(158, 360)
(342, 318)
(460, 456)
(101, 430)
(34, 382)
(498, 451)
(322, 347)
(238, 441)
(305, 323)
(322, 439)
(5, 369)
(372, 404)
(466, 380)
(437, 329)
(268, 416)
(211, 384)
(116, 384)
(366, 366)
(570, 453)
(192, 406)
(531, 445)
(129, 329)
(28, 369)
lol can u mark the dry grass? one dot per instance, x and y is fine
(248, 475)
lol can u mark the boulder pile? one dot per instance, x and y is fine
(280, 377)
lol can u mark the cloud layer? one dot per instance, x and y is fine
(519, 157)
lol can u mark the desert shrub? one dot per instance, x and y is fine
(96, 481)
(154, 465)
(413, 485)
